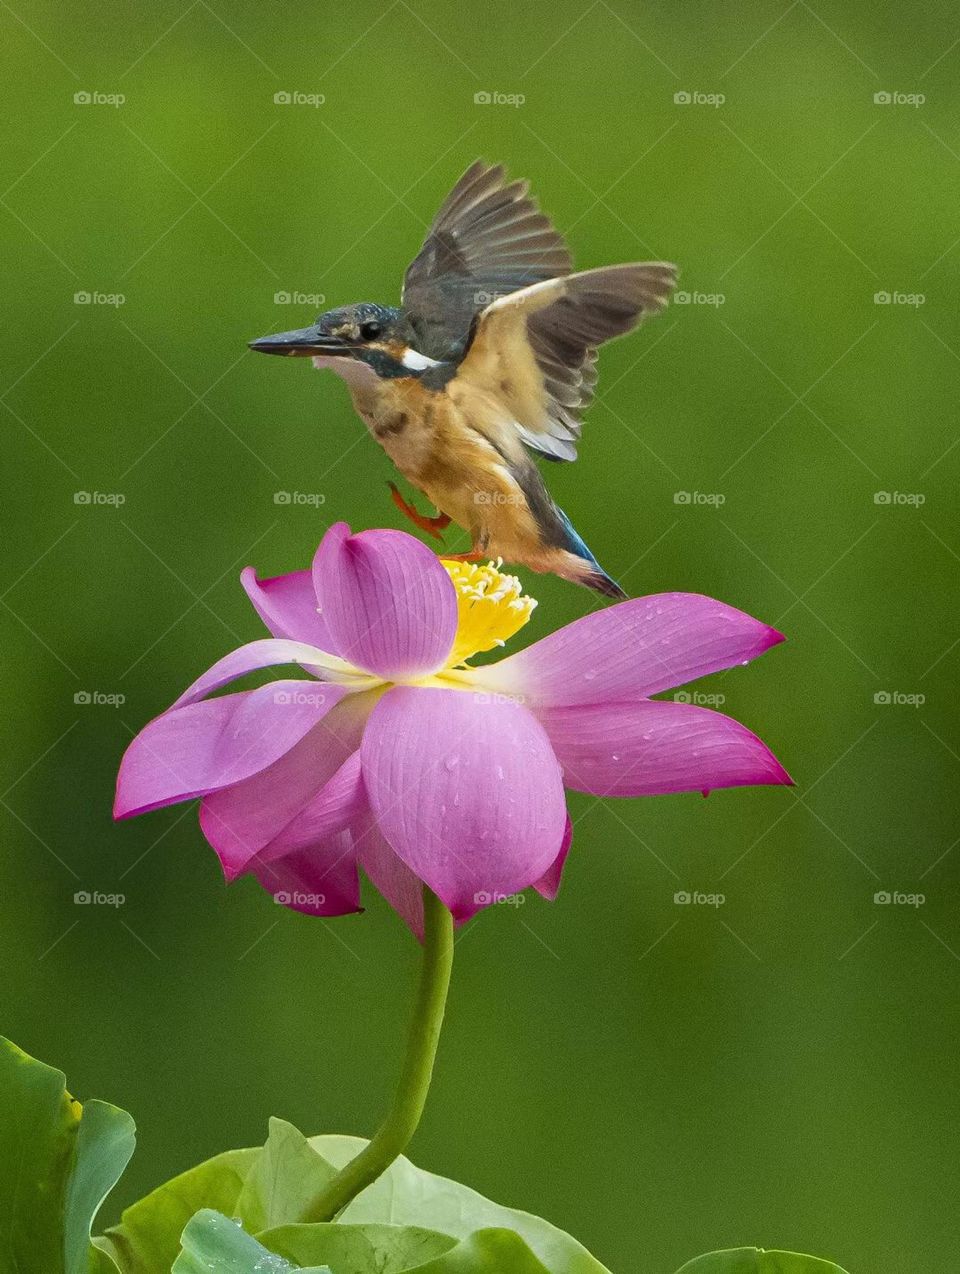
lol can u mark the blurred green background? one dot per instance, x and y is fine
(658, 1079)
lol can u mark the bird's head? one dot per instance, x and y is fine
(375, 335)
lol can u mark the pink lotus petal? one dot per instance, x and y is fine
(466, 790)
(250, 817)
(339, 804)
(649, 748)
(548, 886)
(389, 604)
(319, 881)
(191, 751)
(266, 653)
(636, 648)
(287, 604)
(392, 878)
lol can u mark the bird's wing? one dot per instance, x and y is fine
(535, 349)
(489, 238)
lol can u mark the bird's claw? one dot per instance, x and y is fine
(475, 555)
(433, 526)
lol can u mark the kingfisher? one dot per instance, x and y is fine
(489, 360)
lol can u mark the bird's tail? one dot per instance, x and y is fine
(586, 569)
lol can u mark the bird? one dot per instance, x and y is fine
(489, 360)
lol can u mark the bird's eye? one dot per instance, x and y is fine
(370, 331)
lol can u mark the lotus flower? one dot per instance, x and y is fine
(400, 757)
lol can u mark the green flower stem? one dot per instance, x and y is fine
(411, 1095)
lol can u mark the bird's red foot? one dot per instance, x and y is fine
(433, 526)
(475, 555)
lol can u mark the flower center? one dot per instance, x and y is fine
(491, 607)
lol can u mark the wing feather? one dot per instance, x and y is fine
(488, 238)
(536, 348)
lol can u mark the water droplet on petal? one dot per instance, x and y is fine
(452, 762)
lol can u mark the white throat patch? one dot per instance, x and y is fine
(417, 362)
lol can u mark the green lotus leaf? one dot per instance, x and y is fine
(406, 1195)
(147, 1240)
(360, 1249)
(285, 1176)
(212, 1241)
(58, 1161)
(488, 1252)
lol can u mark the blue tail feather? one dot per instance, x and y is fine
(598, 577)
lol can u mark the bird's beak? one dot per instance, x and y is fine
(301, 343)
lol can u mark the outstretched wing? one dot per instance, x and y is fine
(535, 349)
(488, 239)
